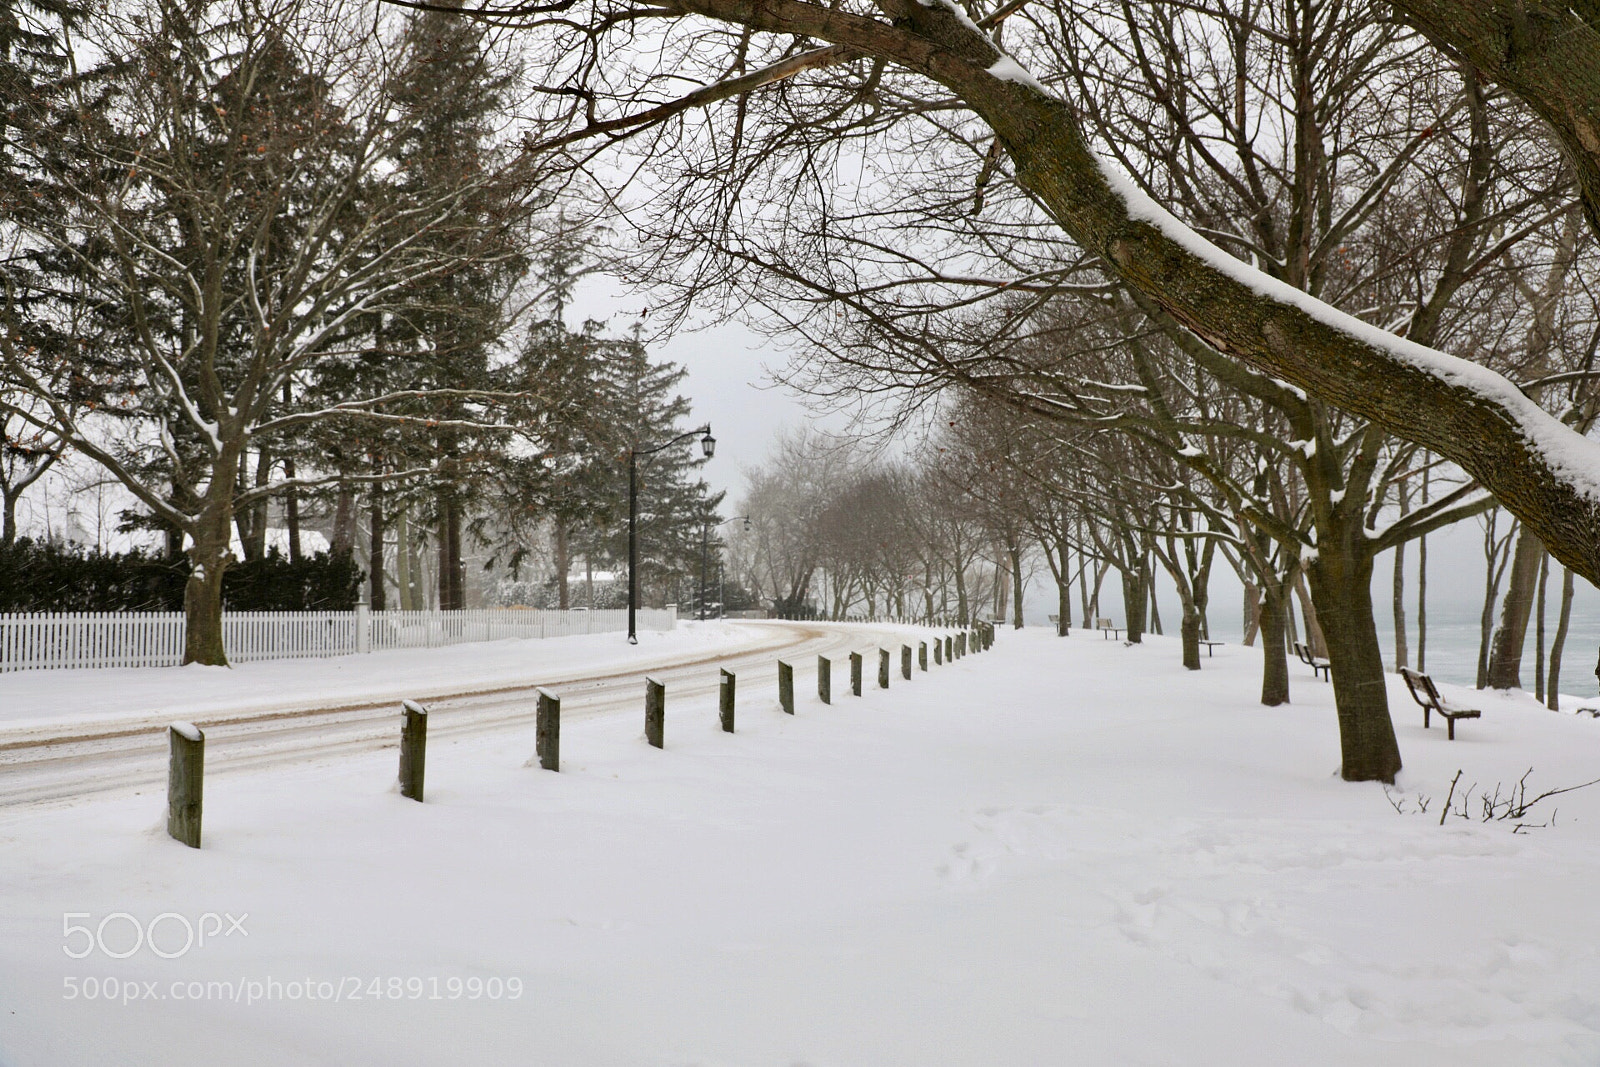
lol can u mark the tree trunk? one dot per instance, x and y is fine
(451, 595)
(1252, 613)
(8, 517)
(344, 521)
(377, 595)
(1274, 646)
(1552, 688)
(1134, 601)
(1155, 610)
(1505, 661)
(563, 565)
(291, 513)
(1401, 654)
(404, 576)
(1063, 600)
(1341, 584)
(1422, 604)
(1316, 639)
(961, 595)
(1016, 585)
(202, 596)
(1538, 614)
(1190, 629)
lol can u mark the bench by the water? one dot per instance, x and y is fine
(1424, 692)
(1319, 666)
(1210, 646)
(1107, 630)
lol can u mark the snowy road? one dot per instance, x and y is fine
(51, 762)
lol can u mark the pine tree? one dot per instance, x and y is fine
(674, 505)
(453, 85)
(33, 63)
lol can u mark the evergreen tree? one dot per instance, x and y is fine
(674, 504)
(453, 84)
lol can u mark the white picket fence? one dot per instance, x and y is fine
(155, 638)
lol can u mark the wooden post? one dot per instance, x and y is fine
(824, 680)
(786, 687)
(549, 734)
(949, 649)
(883, 668)
(855, 673)
(185, 781)
(922, 654)
(905, 662)
(938, 653)
(413, 748)
(725, 701)
(655, 712)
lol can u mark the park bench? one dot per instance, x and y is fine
(1210, 646)
(1424, 692)
(1319, 666)
(1107, 631)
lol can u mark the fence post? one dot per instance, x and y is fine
(905, 662)
(938, 652)
(725, 701)
(883, 668)
(824, 680)
(961, 644)
(922, 654)
(363, 628)
(547, 739)
(655, 712)
(855, 673)
(413, 748)
(185, 782)
(949, 649)
(786, 687)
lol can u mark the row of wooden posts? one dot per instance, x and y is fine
(186, 769)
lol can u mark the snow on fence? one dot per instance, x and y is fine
(155, 638)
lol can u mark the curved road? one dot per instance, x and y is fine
(40, 765)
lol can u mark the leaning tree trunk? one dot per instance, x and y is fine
(1505, 660)
(1274, 641)
(1341, 588)
(1552, 688)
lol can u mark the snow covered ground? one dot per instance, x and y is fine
(1059, 852)
(57, 698)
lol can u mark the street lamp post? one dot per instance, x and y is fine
(708, 444)
(705, 538)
